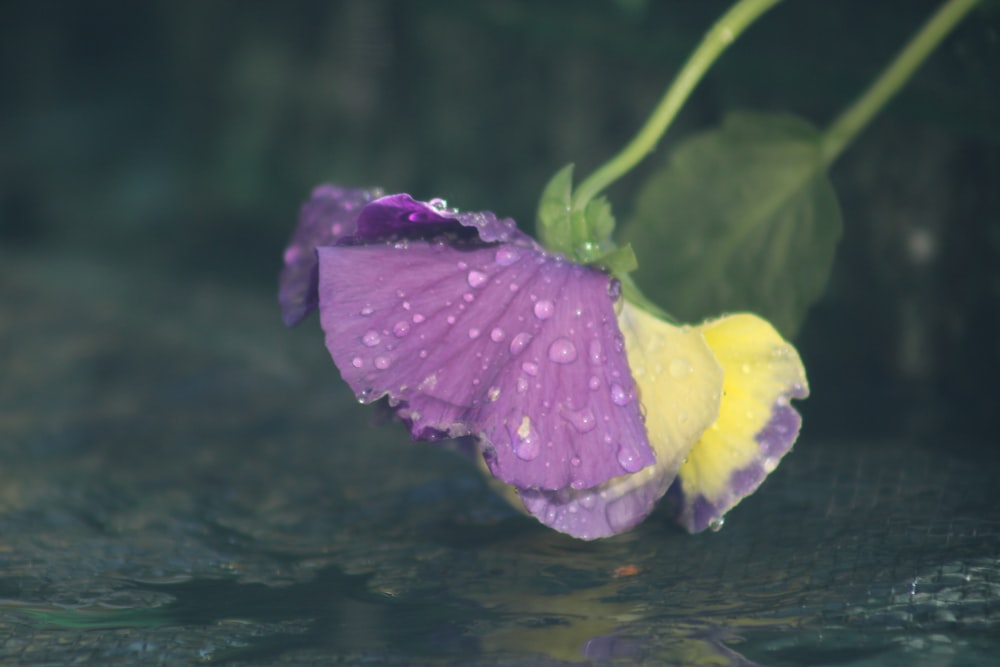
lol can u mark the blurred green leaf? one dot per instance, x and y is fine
(553, 217)
(741, 218)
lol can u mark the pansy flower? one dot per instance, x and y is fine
(586, 408)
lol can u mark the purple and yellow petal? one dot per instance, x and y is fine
(330, 215)
(502, 342)
(756, 425)
(679, 383)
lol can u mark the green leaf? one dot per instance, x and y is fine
(618, 261)
(742, 218)
(554, 227)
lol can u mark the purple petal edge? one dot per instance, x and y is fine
(328, 216)
(774, 441)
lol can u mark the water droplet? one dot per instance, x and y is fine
(715, 525)
(401, 328)
(587, 501)
(619, 343)
(367, 310)
(356, 362)
(382, 363)
(575, 461)
(522, 385)
(428, 382)
(680, 368)
(618, 394)
(337, 228)
(562, 351)
(507, 256)
(527, 446)
(493, 394)
(422, 354)
(450, 319)
(513, 287)
(497, 335)
(530, 368)
(371, 338)
(463, 266)
(417, 318)
(476, 278)
(520, 342)
(473, 333)
(400, 293)
(594, 383)
(582, 420)
(544, 309)
(628, 459)
(596, 353)
(468, 297)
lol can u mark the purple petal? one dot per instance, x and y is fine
(401, 215)
(330, 214)
(609, 509)
(503, 342)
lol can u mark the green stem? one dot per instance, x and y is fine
(722, 34)
(846, 127)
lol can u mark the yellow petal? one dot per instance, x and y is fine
(755, 426)
(678, 379)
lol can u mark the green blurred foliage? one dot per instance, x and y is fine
(740, 218)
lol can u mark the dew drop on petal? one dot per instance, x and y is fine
(507, 256)
(618, 394)
(367, 310)
(594, 383)
(575, 461)
(406, 305)
(356, 362)
(526, 445)
(522, 385)
(497, 335)
(680, 368)
(628, 459)
(476, 278)
(401, 328)
(473, 333)
(468, 297)
(371, 338)
(417, 318)
(596, 353)
(530, 368)
(450, 319)
(715, 525)
(422, 354)
(582, 420)
(520, 342)
(544, 309)
(562, 351)
(382, 363)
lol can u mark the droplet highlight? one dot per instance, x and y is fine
(562, 351)
(476, 278)
(544, 309)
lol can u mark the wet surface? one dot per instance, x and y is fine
(186, 481)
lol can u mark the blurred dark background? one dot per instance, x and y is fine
(181, 136)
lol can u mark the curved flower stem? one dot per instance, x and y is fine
(721, 35)
(847, 126)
